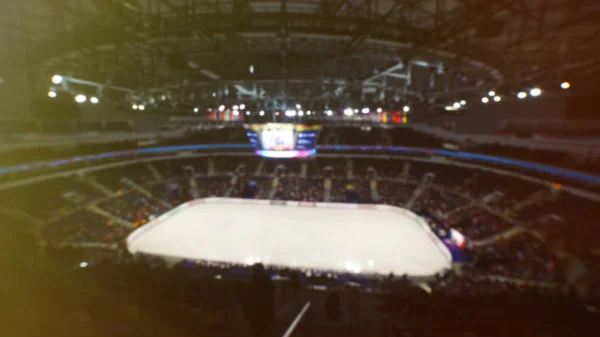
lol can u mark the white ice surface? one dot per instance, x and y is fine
(354, 239)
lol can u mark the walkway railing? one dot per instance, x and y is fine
(292, 327)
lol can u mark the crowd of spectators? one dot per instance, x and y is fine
(85, 227)
(134, 207)
(455, 198)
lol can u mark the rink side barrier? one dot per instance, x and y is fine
(580, 176)
(283, 203)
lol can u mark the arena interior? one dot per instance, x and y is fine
(326, 168)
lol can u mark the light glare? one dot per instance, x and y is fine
(80, 98)
(535, 92)
(57, 79)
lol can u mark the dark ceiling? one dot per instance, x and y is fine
(324, 52)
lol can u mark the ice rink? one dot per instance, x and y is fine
(359, 239)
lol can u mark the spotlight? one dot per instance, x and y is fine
(379, 110)
(365, 110)
(247, 113)
(52, 94)
(236, 113)
(463, 102)
(491, 93)
(565, 85)
(535, 92)
(163, 97)
(521, 95)
(497, 98)
(134, 107)
(57, 79)
(80, 98)
(355, 111)
(406, 108)
(242, 106)
(262, 113)
(251, 69)
(485, 100)
(308, 112)
(329, 112)
(141, 107)
(348, 112)
(298, 106)
(196, 110)
(235, 107)
(94, 100)
(221, 107)
(456, 105)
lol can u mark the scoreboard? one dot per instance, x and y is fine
(275, 140)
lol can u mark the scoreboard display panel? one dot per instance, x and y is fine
(279, 140)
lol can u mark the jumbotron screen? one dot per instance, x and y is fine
(274, 140)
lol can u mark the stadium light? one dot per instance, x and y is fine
(52, 94)
(565, 85)
(262, 112)
(535, 92)
(80, 98)
(491, 93)
(242, 106)
(329, 112)
(463, 102)
(141, 107)
(298, 106)
(300, 113)
(497, 98)
(348, 112)
(247, 113)
(235, 108)
(379, 110)
(57, 79)
(456, 105)
(485, 100)
(196, 110)
(94, 100)
(406, 108)
(308, 112)
(221, 107)
(365, 110)
(521, 95)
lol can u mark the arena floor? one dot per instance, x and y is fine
(360, 239)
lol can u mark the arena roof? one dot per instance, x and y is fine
(315, 52)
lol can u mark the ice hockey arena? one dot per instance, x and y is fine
(362, 239)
